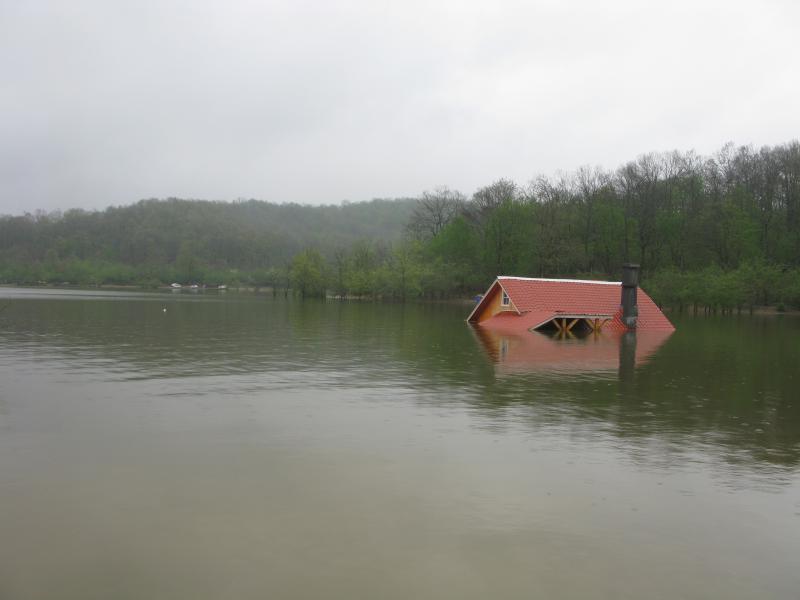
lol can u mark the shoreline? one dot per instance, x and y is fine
(757, 310)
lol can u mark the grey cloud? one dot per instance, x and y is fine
(107, 102)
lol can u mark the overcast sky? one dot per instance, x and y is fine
(105, 102)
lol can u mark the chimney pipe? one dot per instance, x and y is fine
(630, 282)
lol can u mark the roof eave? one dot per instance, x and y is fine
(486, 295)
(483, 299)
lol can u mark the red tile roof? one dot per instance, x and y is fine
(539, 300)
(512, 323)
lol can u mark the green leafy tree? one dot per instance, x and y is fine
(307, 274)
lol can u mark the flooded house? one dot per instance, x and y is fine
(568, 306)
(567, 317)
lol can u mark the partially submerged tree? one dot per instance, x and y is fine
(307, 274)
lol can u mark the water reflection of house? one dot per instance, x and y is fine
(530, 324)
(515, 352)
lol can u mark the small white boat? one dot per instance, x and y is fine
(222, 287)
(175, 285)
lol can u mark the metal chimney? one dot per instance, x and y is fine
(630, 282)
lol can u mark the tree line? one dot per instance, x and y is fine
(719, 232)
(715, 233)
(155, 242)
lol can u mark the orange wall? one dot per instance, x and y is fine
(493, 306)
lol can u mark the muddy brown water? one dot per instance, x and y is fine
(240, 446)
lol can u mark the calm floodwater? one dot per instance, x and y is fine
(238, 446)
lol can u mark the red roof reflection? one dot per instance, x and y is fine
(532, 351)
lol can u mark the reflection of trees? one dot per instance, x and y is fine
(722, 386)
(726, 385)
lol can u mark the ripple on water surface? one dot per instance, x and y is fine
(249, 446)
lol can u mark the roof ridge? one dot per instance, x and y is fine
(559, 280)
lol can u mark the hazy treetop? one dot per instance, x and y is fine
(105, 102)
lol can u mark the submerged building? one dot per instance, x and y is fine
(515, 304)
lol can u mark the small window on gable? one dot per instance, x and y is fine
(505, 301)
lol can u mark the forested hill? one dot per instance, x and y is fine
(246, 235)
(716, 231)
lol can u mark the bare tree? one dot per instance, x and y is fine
(490, 197)
(550, 197)
(434, 211)
(588, 185)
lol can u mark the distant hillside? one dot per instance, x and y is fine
(247, 234)
(720, 232)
